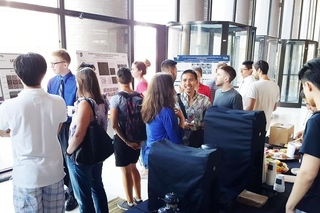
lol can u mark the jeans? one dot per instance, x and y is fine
(88, 187)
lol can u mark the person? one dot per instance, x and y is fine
(211, 83)
(169, 66)
(147, 63)
(305, 194)
(202, 89)
(126, 152)
(159, 113)
(263, 94)
(194, 107)
(86, 180)
(311, 110)
(226, 95)
(248, 78)
(64, 84)
(138, 70)
(33, 119)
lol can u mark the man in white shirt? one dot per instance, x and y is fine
(263, 94)
(33, 119)
(248, 78)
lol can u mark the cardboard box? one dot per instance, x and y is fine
(252, 199)
(281, 134)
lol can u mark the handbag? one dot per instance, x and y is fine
(96, 145)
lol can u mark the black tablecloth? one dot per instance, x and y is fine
(275, 204)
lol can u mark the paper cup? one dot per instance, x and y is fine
(70, 110)
(291, 149)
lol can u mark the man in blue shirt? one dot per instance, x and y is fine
(64, 84)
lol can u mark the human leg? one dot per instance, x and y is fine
(127, 182)
(81, 182)
(53, 198)
(136, 180)
(27, 200)
(98, 193)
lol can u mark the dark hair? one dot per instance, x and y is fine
(191, 72)
(311, 72)
(124, 75)
(248, 64)
(302, 95)
(31, 68)
(262, 65)
(63, 54)
(221, 64)
(167, 64)
(141, 66)
(83, 65)
(88, 84)
(231, 72)
(199, 69)
(160, 94)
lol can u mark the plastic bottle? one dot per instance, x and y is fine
(271, 173)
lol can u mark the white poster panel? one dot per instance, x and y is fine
(107, 65)
(11, 85)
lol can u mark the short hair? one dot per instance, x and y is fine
(221, 64)
(262, 65)
(141, 66)
(88, 84)
(167, 64)
(311, 72)
(62, 53)
(124, 75)
(199, 69)
(83, 65)
(302, 95)
(248, 64)
(191, 72)
(31, 68)
(231, 72)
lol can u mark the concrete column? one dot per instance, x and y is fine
(193, 10)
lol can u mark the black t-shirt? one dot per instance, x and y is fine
(311, 146)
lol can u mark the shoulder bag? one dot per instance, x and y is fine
(96, 145)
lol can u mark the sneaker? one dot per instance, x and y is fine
(124, 205)
(71, 203)
(137, 202)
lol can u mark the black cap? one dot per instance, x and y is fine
(168, 62)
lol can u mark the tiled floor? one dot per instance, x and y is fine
(112, 176)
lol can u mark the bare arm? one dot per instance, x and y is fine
(5, 133)
(83, 120)
(275, 106)
(308, 171)
(251, 103)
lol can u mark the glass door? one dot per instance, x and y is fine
(294, 54)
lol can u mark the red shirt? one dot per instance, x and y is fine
(205, 90)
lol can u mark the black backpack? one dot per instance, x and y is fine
(131, 122)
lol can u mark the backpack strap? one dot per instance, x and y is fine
(183, 109)
(92, 107)
(127, 95)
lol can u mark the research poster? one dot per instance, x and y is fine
(11, 85)
(208, 64)
(107, 65)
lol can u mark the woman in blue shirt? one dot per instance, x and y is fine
(159, 114)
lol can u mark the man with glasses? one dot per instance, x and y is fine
(263, 94)
(64, 85)
(246, 72)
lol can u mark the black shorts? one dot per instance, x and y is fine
(124, 154)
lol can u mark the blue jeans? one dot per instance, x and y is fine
(88, 187)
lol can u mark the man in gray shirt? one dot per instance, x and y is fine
(226, 95)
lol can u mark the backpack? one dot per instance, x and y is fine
(131, 122)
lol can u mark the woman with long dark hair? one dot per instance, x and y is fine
(86, 180)
(159, 113)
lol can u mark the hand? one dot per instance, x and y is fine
(299, 135)
(133, 145)
(289, 210)
(188, 125)
(178, 113)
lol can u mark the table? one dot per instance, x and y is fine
(275, 204)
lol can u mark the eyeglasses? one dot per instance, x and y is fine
(59, 62)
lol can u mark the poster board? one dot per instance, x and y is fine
(208, 63)
(11, 85)
(107, 65)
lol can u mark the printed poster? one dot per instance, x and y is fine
(107, 65)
